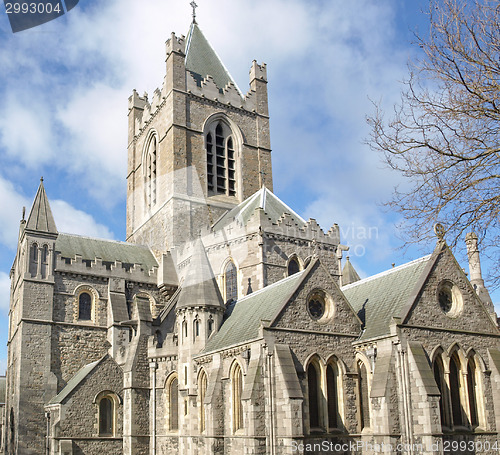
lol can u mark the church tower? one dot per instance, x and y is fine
(30, 382)
(197, 148)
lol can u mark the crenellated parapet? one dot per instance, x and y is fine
(175, 44)
(97, 267)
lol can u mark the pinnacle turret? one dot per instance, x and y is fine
(40, 218)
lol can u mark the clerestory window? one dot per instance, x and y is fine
(150, 170)
(221, 160)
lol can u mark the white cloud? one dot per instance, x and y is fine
(10, 213)
(26, 130)
(4, 293)
(96, 125)
(74, 221)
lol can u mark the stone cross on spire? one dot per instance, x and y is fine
(194, 6)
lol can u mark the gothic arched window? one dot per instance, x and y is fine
(472, 392)
(293, 266)
(237, 391)
(34, 260)
(221, 160)
(106, 416)
(150, 170)
(455, 386)
(333, 389)
(85, 307)
(363, 396)
(314, 390)
(44, 261)
(443, 388)
(173, 404)
(210, 326)
(231, 282)
(202, 391)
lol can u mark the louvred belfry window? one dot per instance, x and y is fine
(221, 160)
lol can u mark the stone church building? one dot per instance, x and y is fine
(227, 323)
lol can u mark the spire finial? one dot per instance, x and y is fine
(194, 6)
(41, 179)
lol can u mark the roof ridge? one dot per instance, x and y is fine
(105, 240)
(386, 272)
(271, 286)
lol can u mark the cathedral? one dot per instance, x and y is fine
(228, 324)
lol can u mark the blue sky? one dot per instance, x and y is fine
(64, 88)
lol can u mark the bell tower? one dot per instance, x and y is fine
(197, 147)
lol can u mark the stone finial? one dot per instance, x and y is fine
(439, 230)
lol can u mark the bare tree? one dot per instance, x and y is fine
(444, 135)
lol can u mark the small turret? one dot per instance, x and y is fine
(476, 277)
(349, 274)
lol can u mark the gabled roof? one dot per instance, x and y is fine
(199, 287)
(244, 322)
(40, 218)
(263, 199)
(3, 389)
(74, 382)
(381, 297)
(203, 61)
(108, 250)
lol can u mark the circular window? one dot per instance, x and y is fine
(449, 299)
(319, 305)
(316, 307)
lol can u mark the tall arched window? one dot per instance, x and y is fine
(472, 392)
(33, 260)
(202, 391)
(231, 282)
(221, 160)
(106, 416)
(236, 392)
(443, 389)
(85, 307)
(173, 404)
(455, 390)
(332, 389)
(293, 266)
(210, 326)
(196, 328)
(150, 170)
(314, 390)
(363, 396)
(44, 261)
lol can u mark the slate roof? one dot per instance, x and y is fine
(203, 61)
(379, 298)
(108, 250)
(40, 217)
(199, 287)
(264, 199)
(244, 322)
(3, 389)
(74, 382)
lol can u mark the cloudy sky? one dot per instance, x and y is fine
(64, 88)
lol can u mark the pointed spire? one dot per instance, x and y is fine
(203, 61)
(199, 287)
(40, 218)
(349, 274)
